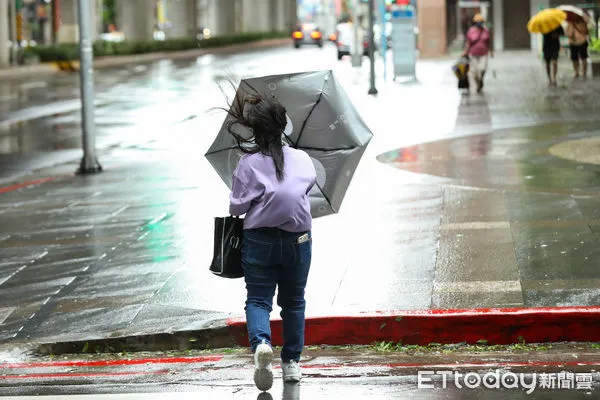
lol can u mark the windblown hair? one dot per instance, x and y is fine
(266, 119)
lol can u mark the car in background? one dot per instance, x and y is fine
(307, 34)
(344, 40)
(112, 36)
(203, 33)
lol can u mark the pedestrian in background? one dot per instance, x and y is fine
(577, 33)
(271, 185)
(551, 49)
(478, 49)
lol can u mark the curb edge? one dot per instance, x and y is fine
(494, 326)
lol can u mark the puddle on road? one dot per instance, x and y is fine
(541, 158)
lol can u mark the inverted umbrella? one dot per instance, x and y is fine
(576, 14)
(546, 20)
(321, 121)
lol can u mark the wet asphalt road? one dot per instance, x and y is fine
(325, 387)
(475, 213)
(565, 370)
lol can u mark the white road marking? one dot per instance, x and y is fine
(478, 286)
(33, 85)
(457, 226)
(5, 312)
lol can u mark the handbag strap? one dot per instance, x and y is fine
(476, 40)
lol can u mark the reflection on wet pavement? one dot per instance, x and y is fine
(515, 159)
(586, 151)
(328, 373)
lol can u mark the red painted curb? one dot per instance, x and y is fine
(496, 326)
(7, 189)
(105, 363)
(72, 375)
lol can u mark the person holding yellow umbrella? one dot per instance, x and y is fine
(548, 22)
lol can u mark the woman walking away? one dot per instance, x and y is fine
(578, 43)
(551, 48)
(477, 47)
(271, 186)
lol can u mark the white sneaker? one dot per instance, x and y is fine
(291, 371)
(263, 373)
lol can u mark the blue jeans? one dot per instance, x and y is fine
(274, 258)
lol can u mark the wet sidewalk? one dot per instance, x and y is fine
(460, 202)
(51, 68)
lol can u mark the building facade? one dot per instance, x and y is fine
(55, 21)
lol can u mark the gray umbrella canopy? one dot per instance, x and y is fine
(321, 121)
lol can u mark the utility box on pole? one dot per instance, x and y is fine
(357, 48)
(404, 44)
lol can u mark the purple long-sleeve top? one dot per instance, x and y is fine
(268, 202)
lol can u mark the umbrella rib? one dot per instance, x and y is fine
(321, 149)
(288, 138)
(307, 118)
(299, 148)
(294, 145)
(219, 151)
(251, 87)
(326, 198)
(234, 147)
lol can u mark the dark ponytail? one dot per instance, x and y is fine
(266, 118)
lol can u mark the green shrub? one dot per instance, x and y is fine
(68, 52)
(595, 46)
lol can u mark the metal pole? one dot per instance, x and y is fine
(4, 35)
(372, 88)
(89, 163)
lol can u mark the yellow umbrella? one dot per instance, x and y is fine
(546, 20)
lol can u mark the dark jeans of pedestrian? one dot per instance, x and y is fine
(274, 258)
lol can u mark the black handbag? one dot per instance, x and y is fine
(227, 256)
